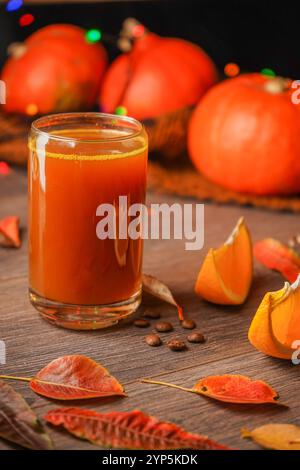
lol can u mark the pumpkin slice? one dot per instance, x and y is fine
(226, 273)
(276, 324)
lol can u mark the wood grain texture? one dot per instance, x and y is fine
(31, 342)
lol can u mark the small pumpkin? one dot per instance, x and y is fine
(244, 136)
(157, 76)
(54, 70)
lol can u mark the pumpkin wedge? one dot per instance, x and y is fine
(276, 324)
(226, 273)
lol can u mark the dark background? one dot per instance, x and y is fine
(255, 34)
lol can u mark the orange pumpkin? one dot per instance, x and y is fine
(157, 76)
(55, 70)
(244, 135)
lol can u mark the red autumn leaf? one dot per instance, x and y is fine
(229, 388)
(159, 290)
(73, 378)
(127, 430)
(9, 232)
(275, 255)
(236, 389)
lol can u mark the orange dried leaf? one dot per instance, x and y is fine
(226, 274)
(275, 436)
(229, 388)
(73, 378)
(127, 430)
(236, 389)
(10, 232)
(275, 255)
(159, 290)
(276, 324)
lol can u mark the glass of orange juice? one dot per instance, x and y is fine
(77, 162)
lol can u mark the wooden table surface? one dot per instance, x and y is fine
(31, 342)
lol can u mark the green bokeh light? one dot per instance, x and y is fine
(93, 35)
(268, 72)
(121, 111)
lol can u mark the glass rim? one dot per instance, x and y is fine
(60, 116)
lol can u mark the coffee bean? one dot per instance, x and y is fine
(163, 326)
(141, 323)
(153, 340)
(151, 314)
(196, 337)
(188, 324)
(176, 345)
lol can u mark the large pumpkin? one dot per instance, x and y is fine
(55, 70)
(244, 135)
(157, 76)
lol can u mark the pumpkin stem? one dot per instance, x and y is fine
(16, 49)
(131, 30)
(276, 85)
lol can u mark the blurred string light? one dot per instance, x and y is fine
(231, 69)
(93, 35)
(26, 20)
(268, 72)
(31, 109)
(121, 111)
(4, 169)
(14, 5)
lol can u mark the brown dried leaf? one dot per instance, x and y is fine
(18, 423)
(158, 289)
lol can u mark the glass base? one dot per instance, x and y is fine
(84, 317)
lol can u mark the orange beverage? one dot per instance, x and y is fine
(78, 162)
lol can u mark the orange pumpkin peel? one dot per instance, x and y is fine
(276, 324)
(226, 274)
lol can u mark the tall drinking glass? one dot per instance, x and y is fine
(77, 163)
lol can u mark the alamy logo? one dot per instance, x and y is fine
(2, 352)
(159, 221)
(2, 92)
(296, 353)
(296, 94)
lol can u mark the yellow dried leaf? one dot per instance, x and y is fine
(275, 436)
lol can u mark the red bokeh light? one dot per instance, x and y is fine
(26, 19)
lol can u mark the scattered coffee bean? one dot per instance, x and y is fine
(141, 323)
(153, 340)
(188, 324)
(163, 326)
(176, 345)
(196, 337)
(151, 314)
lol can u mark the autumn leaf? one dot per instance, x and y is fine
(127, 430)
(18, 423)
(9, 232)
(73, 378)
(275, 255)
(236, 389)
(159, 290)
(229, 388)
(275, 436)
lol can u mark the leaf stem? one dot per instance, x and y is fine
(166, 384)
(12, 377)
